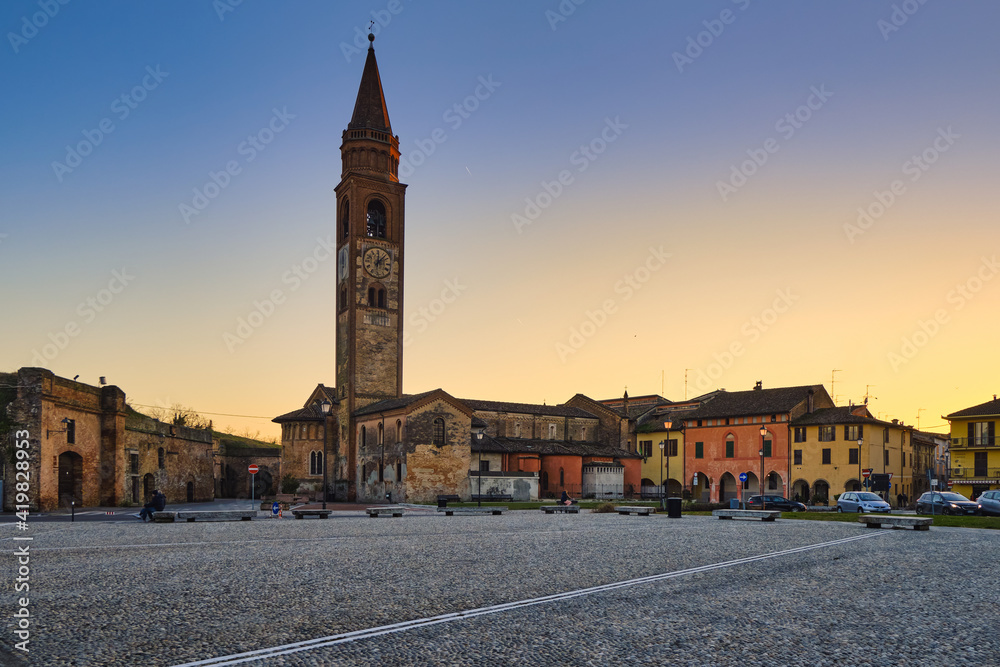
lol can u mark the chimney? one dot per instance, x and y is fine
(809, 401)
(758, 386)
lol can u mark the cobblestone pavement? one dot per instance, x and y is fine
(697, 591)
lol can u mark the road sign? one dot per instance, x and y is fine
(866, 473)
(695, 479)
(890, 475)
(743, 477)
(253, 469)
(275, 507)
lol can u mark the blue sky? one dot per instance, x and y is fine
(894, 78)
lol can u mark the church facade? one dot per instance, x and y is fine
(372, 442)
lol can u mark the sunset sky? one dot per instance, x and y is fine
(600, 195)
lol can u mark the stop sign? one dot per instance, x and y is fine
(253, 468)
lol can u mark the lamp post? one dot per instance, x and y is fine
(763, 432)
(666, 427)
(479, 473)
(860, 442)
(325, 409)
(662, 443)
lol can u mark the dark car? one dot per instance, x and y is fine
(945, 502)
(774, 503)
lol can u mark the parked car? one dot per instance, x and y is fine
(945, 502)
(861, 501)
(774, 503)
(989, 502)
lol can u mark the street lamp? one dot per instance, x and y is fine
(763, 502)
(662, 443)
(480, 431)
(860, 442)
(666, 427)
(325, 409)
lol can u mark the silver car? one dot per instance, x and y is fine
(989, 502)
(861, 502)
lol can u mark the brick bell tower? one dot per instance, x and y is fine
(369, 264)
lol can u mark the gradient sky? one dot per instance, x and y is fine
(774, 279)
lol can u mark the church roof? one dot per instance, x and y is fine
(370, 110)
(539, 446)
(527, 408)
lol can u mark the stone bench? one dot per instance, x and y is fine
(443, 500)
(448, 511)
(492, 497)
(637, 510)
(564, 509)
(389, 510)
(206, 515)
(301, 514)
(877, 521)
(763, 515)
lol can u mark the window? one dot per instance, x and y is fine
(133, 460)
(517, 429)
(376, 296)
(774, 418)
(161, 458)
(552, 431)
(315, 463)
(376, 219)
(852, 456)
(699, 450)
(399, 430)
(826, 457)
(855, 432)
(562, 477)
(767, 448)
(980, 434)
(827, 433)
(800, 434)
(438, 431)
(730, 447)
(886, 452)
(484, 466)
(363, 438)
(646, 448)
(672, 447)
(797, 457)
(70, 431)
(345, 216)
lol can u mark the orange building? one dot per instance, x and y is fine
(745, 432)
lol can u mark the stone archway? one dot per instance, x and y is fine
(800, 491)
(728, 487)
(821, 491)
(852, 485)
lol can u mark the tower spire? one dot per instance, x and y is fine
(370, 111)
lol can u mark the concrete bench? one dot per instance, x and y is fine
(563, 509)
(448, 511)
(207, 515)
(389, 510)
(492, 497)
(763, 515)
(301, 514)
(877, 521)
(637, 510)
(443, 500)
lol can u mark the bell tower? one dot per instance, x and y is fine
(370, 226)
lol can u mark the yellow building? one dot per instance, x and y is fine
(663, 425)
(975, 456)
(832, 447)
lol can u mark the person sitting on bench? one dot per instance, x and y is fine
(565, 499)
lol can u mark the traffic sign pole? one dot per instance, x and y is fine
(252, 469)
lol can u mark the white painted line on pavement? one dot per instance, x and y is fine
(321, 642)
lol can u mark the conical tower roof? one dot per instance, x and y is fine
(369, 110)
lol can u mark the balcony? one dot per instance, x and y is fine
(967, 443)
(974, 474)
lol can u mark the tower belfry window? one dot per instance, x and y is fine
(345, 217)
(376, 220)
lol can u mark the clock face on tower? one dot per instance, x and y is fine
(377, 262)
